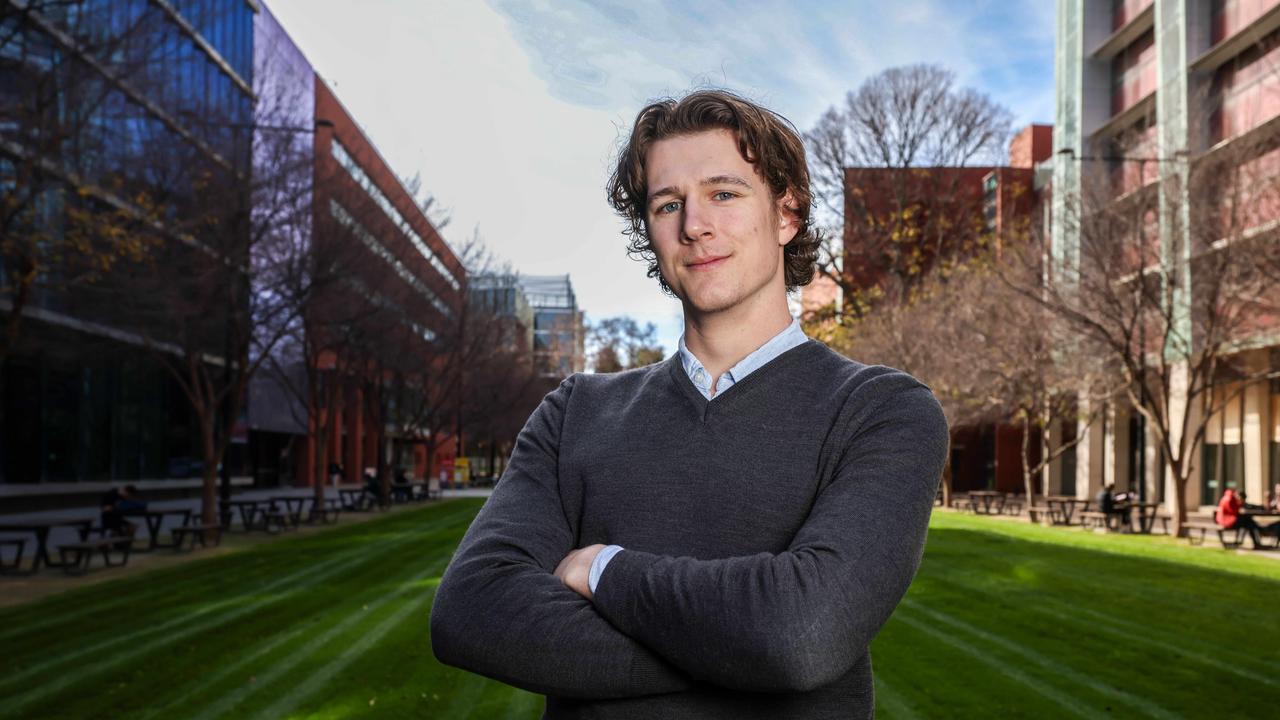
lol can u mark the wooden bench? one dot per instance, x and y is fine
(76, 556)
(277, 520)
(19, 545)
(328, 514)
(196, 532)
(1164, 522)
(1093, 519)
(1012, 505)
(1196, 530)
(1037, 513)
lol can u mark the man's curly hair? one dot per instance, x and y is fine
(765, 139)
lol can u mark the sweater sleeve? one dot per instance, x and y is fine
(799, 619)
(501, 612)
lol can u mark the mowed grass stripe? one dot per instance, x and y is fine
(1144, 706)
(1084, 621)
(298, 582)
(992, 575)
(889, 703)
(352, 608)
(316, 679)
(1176, 646)
(76, 611)
(354, 615)
(67, 608)
(1048, 692)
(1055, 597)
(148, 640)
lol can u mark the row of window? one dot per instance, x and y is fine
(97, 414)
(148, 61)
(382, 301)
(1133, 73)
(366, 183)
(347, 220)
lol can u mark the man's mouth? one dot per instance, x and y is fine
(708, 263)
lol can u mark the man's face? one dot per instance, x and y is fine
(715, 227)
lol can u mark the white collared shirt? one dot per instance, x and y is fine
(780, 343)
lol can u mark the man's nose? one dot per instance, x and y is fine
(697, 221)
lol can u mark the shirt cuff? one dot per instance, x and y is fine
(597, 566)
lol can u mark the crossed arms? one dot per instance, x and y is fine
(784, 622)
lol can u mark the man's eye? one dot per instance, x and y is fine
(670, 207)
(724, 195)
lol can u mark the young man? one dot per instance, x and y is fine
(721, 534)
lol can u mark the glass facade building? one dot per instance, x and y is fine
(107, 105)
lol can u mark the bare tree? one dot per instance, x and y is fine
(1174, 314)
(620, 343)
(889, 166)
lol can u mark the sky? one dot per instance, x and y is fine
(510, 111)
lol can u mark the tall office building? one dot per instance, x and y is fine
(559, 341)
(1148, 91)
(108, 108)
(114, 112)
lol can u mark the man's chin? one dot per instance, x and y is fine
(708, 304)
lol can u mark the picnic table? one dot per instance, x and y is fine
(352, 496)
(984, 501)
(293, 506)
(248, 510)
(1064, 506)
(1146, 513)
(154, 520)
(1263, 514)
(40, 529)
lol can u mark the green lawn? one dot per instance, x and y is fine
(1005, 619)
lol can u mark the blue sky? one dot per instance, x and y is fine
(511, 110)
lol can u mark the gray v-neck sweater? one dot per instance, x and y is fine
(769, 534)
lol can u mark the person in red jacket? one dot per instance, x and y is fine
(1228, 516)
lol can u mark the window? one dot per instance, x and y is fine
(366, 183)
(1133, 73)
(348, 221)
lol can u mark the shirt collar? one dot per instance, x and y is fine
(790, 337)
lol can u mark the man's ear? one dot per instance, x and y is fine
(788, 222)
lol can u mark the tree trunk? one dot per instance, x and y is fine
(431, 454)
(320, 473)
(1026, 461)
(1179, 499)
(209, 473)
(1046, 438)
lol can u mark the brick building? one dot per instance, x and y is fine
(948, 212)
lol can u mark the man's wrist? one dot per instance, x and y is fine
(598, 564)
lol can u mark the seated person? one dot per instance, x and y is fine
(372, 488)
(1230, 517)
(401, 486)
(1116, 512)
(117, 503)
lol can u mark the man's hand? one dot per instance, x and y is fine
(575, 569)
